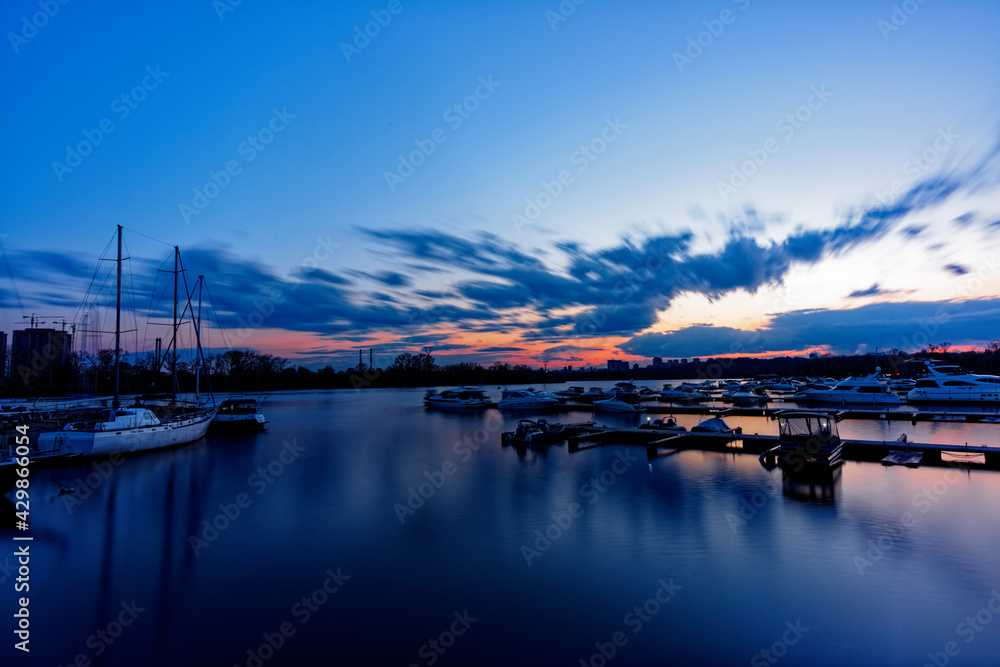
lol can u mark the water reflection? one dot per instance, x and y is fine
(819, 486)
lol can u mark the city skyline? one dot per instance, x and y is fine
(539, 183)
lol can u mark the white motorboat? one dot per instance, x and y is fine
(621, 402)
(683, 393)
(781, 385)
(746, 395)
(461, 398)
(854, 390)
(594, 394)
(947, 383)
(572, 393)
(525, 399)
(240, 414)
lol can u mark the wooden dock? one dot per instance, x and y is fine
(654, 440)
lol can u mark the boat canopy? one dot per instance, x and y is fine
(798, 424)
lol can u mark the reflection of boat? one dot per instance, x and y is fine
(859, 390)
(621, 402)
(816, 486)
(947, 383)
(807, 440)
(118, 430)
(239, 414)
(536, 432)
(525, 399)
(908, 459)
(462, 398)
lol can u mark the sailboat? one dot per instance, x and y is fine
(122, 430)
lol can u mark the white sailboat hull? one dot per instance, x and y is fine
(97, 443)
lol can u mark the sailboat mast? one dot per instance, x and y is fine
(118, 320)
(173, 358)
(197, 334)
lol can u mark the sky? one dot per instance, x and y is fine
(531, 182)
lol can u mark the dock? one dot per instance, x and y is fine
(842, 411)
(654, 440)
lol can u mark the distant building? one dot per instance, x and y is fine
(40, 356)
(696, 360)
(617, 365)
(657, 362)
(3, 355)
(814, 355)
(635, 367)
(683, 360)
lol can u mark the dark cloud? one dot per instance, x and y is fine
(908, 326)
(501, 349)
(957, 269)
(874, 290)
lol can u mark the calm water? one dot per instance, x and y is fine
(694, 558)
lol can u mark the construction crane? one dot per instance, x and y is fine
(35, 320)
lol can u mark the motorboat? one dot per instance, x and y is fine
(683, 393)
(621, 402)
(855, 390)
(781, 386)
(525, 399)
(904, 384)
(948, 383)
(239, 414)
(461, 398)
(807, 440)
(747, 394)
(669, 424)
(572, 393)
(594, 394)
(536, 432)
(713, 425)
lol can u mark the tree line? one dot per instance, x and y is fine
(250, 370)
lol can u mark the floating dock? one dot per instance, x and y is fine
(844, 412)
(655, 440)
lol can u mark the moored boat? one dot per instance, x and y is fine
(239, 414)
(948, 383)
(465, 397)
(853, 390)
(621, 402)
(536, 432)
(525, 399)
(807, 440)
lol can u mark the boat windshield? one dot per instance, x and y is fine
(807, 425)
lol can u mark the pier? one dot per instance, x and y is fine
(656, 441)
(844, 412)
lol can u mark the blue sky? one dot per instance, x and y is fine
(727, 168)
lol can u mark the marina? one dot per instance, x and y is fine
(500, 334)
(703, 511)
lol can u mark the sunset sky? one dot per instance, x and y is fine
(526, 181)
